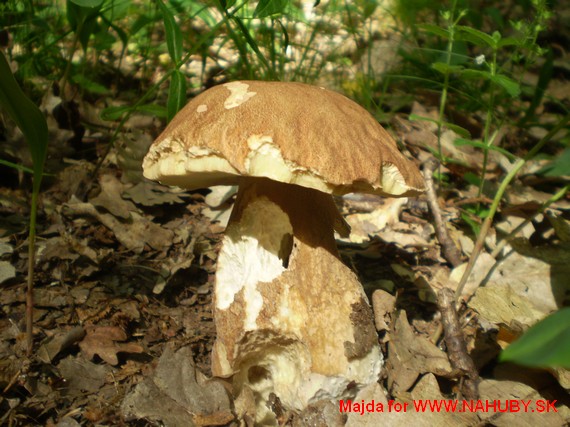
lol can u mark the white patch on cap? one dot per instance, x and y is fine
(392, 180)
(249, 255)
(238, 94)
(202, 108)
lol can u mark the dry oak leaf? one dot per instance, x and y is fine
(102, 341)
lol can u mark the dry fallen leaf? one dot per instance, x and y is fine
(410, 355)
(383, 304)
(133, 234)
(148, 193)
(110, 197)
(179, 395)
(102, 341)
(58, 343)
(82, 375)
(7, 271)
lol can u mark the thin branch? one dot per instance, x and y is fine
(448, 248)
(456, 347)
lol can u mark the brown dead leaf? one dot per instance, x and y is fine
(505, 391)
(179, 395)
(133, 234)
(110, 197)
(59, 342)
(7, 271)
(383, 304)
(148, 193)
(133, 146)
(410, 355)
(102, 341)
(82, 375)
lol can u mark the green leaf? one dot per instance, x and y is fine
(461, 141)
(226, 4)
(472, 179)
(444, 68)
(173, 33)
(285, 44)
(474, 225)
(546, 344)
(87, 3)
(115, 113)
(434, 29)
(509, 41)
(89, 85)
(267, 8)
(512, 87)
(27, 117)
(544, 77)
(82, 20)
(455, 128)
(176, 94)
(478, 38)
(560, 166)
(476, 74)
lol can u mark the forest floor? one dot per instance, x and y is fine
(125, 271)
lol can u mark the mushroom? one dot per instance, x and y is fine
(292, 320)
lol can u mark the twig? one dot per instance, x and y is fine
(455, 341)
(456, 348)
(30, 282)
(448, 248)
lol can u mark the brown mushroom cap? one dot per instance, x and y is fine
(289, 132)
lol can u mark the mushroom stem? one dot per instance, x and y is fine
(291, 318)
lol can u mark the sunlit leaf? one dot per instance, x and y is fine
(87, 3)
(89, 85)
(270, 7)
(478, 38)
(176, 94)
(546, 344)
(560, 166)
(455, 128)
(512, 87)
(445, 68)
(478, 144)
(434, 29)
(173, 33)
(509, 41)
(476, 74)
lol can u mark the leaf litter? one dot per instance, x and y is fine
(125, 267)
(139, 282)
